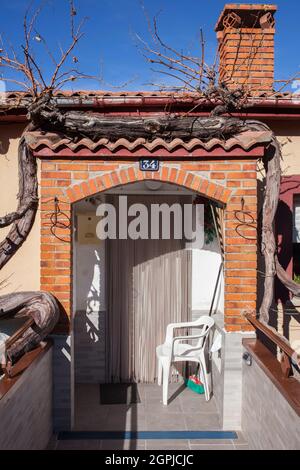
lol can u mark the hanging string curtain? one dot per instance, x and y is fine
(148, 287)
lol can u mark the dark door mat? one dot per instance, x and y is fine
(111, 435)
(119, 394)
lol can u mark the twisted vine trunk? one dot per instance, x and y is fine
(45, 116)
(41, 307)
(22, 219)
(269, 246)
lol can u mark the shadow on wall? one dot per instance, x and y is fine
(89, 320)
(284, 237)
(284, 129)
(9, 132)
(260, 258)
(89, 347)
(284, 231)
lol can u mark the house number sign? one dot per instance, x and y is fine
(149, 164)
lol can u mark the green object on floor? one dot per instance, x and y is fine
(197, 388)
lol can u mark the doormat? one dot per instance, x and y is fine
(119, 394)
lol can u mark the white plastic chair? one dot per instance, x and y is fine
(174, 350)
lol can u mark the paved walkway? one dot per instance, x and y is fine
(186, 411)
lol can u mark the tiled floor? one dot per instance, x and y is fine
(186, 411)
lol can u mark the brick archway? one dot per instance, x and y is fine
(166, 174)
(226, 181)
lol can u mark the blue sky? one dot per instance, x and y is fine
(109, 43)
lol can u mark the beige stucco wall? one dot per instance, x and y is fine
(23, 270)
(291, 155)
(288, 133)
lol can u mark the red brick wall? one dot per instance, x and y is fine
(227, 181)
(246, 46)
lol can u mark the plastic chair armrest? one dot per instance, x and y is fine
(172, 326)
(182, 338)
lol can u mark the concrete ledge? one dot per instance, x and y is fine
(7, 383)
(26, 406)
(227, 376)
(270, 411)
(288, 387)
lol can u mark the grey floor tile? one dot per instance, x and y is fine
(90, 426)
(122, 445)
(90, 391)
(152, 390)
(165, 422)
(201, 421)
(241, 440)
(101, 413)
(167, 444)
(242, 447)
(128, 423)
(90, 421)
(124, 409)
(52, 444)
(194, 405)
(155, 398)
(159, 408)
(205, 442)
(211, 447)
(141, 391)
(185, 411)
(91, 444)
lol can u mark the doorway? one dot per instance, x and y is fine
(148, 287)
(125, 294)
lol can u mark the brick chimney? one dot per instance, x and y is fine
(246, 46)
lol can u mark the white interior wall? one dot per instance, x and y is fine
(89, 318)
(205, 267)
(90, 269)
